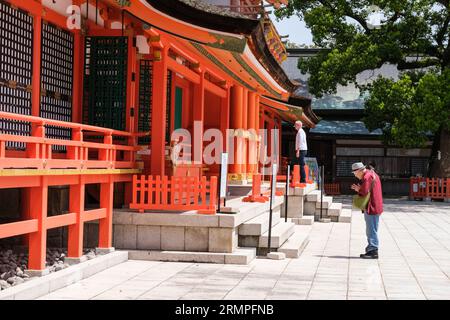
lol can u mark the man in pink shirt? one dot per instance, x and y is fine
(370, 182)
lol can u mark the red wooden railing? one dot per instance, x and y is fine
(430, 188)
(174, 193)
(101, 152)
(35, 223)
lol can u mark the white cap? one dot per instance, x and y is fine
(358, 166)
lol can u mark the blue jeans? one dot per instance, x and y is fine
(372, 221)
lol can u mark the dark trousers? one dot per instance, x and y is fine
(301, 163)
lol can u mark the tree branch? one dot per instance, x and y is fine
(395, 17)
(441, 34)
(427, 62)
(446, 57)
(349, 13)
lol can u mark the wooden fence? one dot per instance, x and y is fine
(174, 193)
(429, 188)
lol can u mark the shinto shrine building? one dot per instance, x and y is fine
(91, 91)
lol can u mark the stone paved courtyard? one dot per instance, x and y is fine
(414, 264)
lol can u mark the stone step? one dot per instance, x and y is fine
(238, 256)
(280, 233)
(239, 190)
(313, 196)
(297, 191)
(309, 208)
(346, 216)
(248, 211)
(305, 220)
(324, 214)
(327, 201)
(259, 225)
(335, 209)
(295, 204)
(296, 243)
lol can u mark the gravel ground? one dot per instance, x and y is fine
(14, 261)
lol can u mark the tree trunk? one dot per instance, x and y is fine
(440, 168)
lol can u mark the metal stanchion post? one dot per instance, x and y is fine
(321, 190)
(218, 187)
(288, 176)
(272, 188)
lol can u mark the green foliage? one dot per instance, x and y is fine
(407, 109)
(410, 108)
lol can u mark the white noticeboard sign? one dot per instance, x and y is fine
(223, 175)
(415, 187)
(274, 182)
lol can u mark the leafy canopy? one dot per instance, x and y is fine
(414, 35)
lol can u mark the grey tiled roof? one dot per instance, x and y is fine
(340, 127)
(347, 97)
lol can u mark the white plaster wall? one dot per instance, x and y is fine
(142, 45)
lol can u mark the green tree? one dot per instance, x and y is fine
(414, 35)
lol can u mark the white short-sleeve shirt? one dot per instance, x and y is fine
(300, 140)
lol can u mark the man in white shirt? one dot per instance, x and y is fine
(301, 149)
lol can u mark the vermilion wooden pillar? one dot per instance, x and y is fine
(137, 89)
(261, 126)
(198, 116)
(236, 123)
(261, 116)
(38, 240)
(75, 232)
(25, 209)
(243, 145)
(159, 99)
(131, 106)
(78, 65)
(105, 224)
(36, 76)
(257, 127)
(32, 149)
(131, 83)
(225, 118)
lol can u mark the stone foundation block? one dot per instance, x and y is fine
(295, 207)
(196, 239)
(276, 255)
(72, 261)
(172, 238)
(222, 240)
(148, 237)
(102, 251)
(38, 273)
(309, 208)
